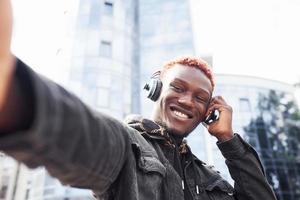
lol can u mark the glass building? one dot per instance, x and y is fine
(265, 114)
(105, 55)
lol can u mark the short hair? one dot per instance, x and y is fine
(190, 61)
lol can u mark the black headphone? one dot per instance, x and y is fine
(154, 86)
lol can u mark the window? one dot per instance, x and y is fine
(94, 20)
(3, 191)
(244, 105)
(108, 8)
(262, 138)
(105, 49)
(27, 194)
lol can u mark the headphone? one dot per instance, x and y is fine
(154, 86)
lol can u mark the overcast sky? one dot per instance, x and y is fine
(257, 37)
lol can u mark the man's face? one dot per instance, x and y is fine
(182, 103)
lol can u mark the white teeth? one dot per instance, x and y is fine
(180, 114)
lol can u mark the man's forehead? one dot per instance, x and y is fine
(179, 70)
(188, 75)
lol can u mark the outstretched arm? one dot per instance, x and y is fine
(42, 124)
(77, 145)
(6, 59)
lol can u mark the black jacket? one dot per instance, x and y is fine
(87, 149)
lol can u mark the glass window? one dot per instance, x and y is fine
(90, 77)
(82, 22)
(262, 137)
(94, 21)
(49, 191)
(84, 7)
(284, 185)
(244, 105)
(3, 191)
(108, 8)
(105, 49)
(252, 141)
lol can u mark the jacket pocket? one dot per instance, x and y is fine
(220, 189)
(150, 164)
(150, 175)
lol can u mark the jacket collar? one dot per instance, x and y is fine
(155, 131)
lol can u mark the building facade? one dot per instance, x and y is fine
(104, 56)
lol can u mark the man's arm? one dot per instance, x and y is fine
(80, 147)
(17, 110)
(41, 124)
(242, 160)
(246, 170)
(6, 59)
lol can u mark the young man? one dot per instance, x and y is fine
(43, 124)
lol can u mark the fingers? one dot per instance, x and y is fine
(5, 28)
(218, 103)
(218, 100)
(6, 59)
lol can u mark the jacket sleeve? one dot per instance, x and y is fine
(78, 146)
(246, 170)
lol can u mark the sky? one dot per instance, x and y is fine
(40, 32)
(255, 38)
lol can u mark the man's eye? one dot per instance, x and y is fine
(200, 99)
(176, 88)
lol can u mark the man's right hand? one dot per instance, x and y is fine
(6, 58)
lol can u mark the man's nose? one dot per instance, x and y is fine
(186, 100)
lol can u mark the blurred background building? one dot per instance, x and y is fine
(266, 115)
(113, 48)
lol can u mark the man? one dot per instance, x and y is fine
(43, 124)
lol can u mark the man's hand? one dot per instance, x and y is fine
(222, 128)
(6, 58)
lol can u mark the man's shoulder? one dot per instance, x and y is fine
(139, 135)
(146, 127)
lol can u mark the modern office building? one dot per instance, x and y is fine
(117, 45)
(105, 58)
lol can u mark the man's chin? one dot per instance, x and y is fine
(174, 130)
(177, 132)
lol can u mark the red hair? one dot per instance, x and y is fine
(191, 61)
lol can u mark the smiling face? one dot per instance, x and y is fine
(183, 100)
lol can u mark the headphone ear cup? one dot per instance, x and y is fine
(154, 88)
